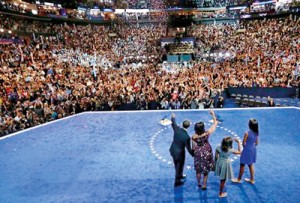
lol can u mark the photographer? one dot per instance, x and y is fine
(220, 102)
(271, 102)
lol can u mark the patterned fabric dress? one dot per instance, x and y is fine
(248, 155)
(203, 159)
(223, 165)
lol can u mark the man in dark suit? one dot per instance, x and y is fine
(181, 140)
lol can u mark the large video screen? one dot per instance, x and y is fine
(176, 20)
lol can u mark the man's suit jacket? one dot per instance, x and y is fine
(181, 140)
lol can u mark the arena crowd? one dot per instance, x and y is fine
(78, 68)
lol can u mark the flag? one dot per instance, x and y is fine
(94, 65)
(297, 69)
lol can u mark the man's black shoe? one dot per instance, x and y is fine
(183, 176)
(176, 184)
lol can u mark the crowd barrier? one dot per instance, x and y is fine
(11, 41)
(274, 92)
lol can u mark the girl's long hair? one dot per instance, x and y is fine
(226, 144)
(253, 125)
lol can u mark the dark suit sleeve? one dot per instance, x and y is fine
(188, 146)
(174, 125)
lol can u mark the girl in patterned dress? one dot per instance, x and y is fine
(248, 156)
(203, 155)
(223, 163)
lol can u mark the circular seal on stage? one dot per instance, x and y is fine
(165, 122)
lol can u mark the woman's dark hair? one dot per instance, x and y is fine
(253, 125)
(226, 144)
(199, 128)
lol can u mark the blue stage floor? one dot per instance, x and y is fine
(123, 157)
